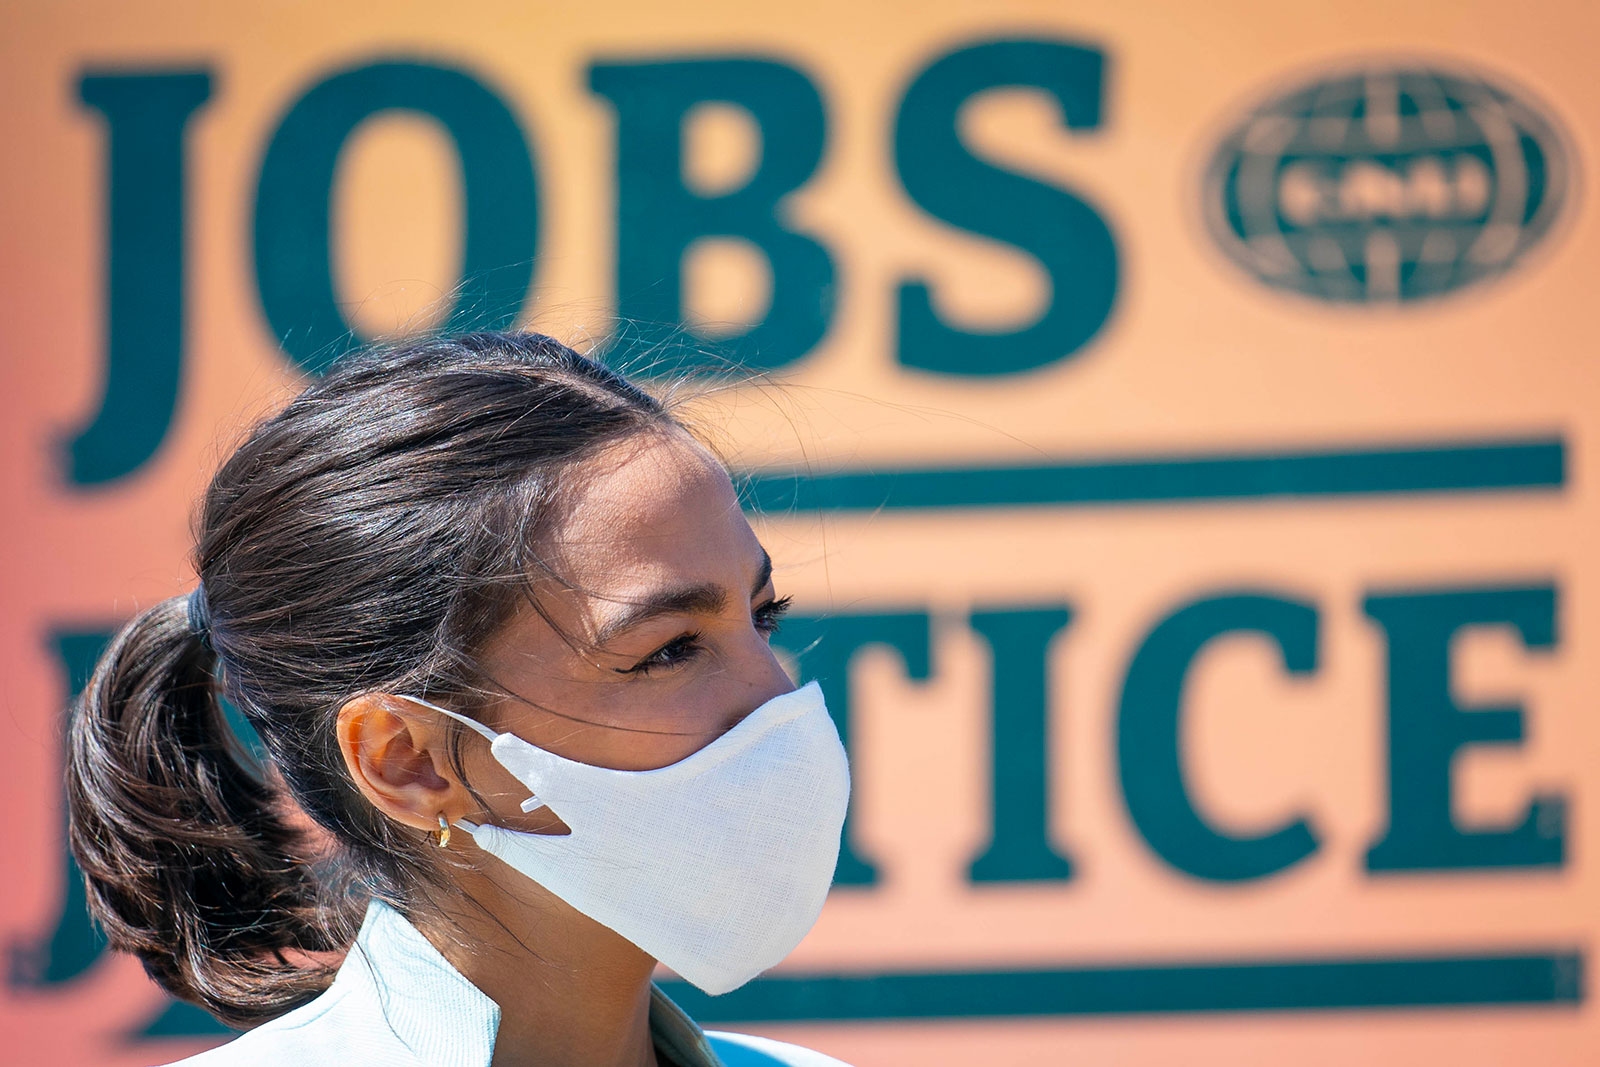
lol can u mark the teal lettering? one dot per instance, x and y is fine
(1428, 728)
(177, 1018)
(824, 646)
(74, 942)
(146, 115)
(1058, 228)
(1019, 848)
(500, 222)
(1149, 752)
(659, 217)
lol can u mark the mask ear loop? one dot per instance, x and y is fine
(533, 803)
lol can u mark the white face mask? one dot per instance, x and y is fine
(716, 865)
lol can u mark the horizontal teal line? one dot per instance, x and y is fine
(1537, 977)
(1439, 467)
(1531, 977)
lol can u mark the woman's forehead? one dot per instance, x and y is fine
(652, 507)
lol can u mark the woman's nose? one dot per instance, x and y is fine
(766, 679)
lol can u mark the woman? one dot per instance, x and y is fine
(502, 629)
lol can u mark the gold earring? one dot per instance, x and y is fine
(444, 831)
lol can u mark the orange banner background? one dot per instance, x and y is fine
(1394, 418)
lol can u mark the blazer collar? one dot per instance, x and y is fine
(445, 1020)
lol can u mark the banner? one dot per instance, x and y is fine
(1176, 425)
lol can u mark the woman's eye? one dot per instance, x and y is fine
(674, 653)
(770, 615)
(682, 649)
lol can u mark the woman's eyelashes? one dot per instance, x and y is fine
(769, 616)
(685, 647)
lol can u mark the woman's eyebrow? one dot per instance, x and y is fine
(702, 599)
(763, 574)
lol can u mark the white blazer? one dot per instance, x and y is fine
(396, 1002)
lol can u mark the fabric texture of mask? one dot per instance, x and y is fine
(716, 865)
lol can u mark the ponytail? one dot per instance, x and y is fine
(373, 535)
(189, 863)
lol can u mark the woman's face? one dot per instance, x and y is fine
(667, 612)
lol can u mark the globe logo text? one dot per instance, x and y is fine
(1385, 184)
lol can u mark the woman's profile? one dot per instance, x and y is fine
(503, 630)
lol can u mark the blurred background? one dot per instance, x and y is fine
(1178, 428)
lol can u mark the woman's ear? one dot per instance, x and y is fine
(395, 752)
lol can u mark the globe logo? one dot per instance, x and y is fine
(1386, 183)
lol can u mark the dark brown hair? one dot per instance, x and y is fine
(372, 535)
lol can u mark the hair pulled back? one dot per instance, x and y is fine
(371, 535)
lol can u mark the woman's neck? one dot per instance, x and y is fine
(571, 992)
